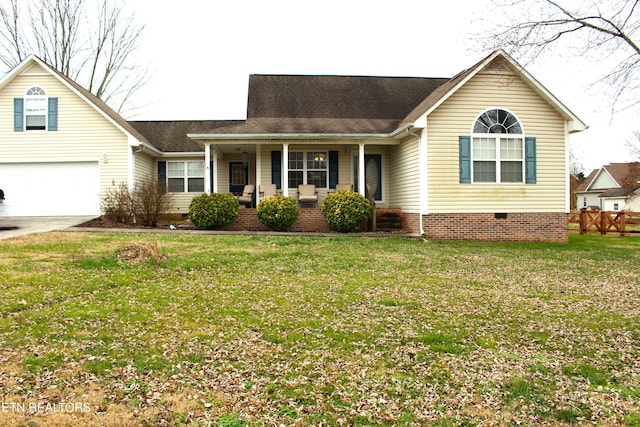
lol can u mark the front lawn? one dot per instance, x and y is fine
(249, 330)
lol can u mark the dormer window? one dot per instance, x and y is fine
(36, 111)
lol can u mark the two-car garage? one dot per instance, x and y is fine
(50, 189)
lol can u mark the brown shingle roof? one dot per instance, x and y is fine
(330, 104)
(336, 97)
(171, 136)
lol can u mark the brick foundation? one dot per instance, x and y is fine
(515, 227)
(310, 220)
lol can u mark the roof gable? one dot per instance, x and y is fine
(498, 61)
(612, 176)
(34, 65)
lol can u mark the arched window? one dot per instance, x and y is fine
(35, 109)
(497, 148)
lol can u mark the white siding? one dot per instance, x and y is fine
(144, 166)
(603, 181)
(455, 117)
(404, 176)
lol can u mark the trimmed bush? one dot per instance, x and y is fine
(278, 212)
(209, 211)
(345, 210)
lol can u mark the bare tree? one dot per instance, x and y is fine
(633, 145)
(602, 30)
(95, 48)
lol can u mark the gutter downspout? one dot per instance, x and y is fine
(421, 175)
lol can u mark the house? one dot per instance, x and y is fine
(480, 156)
(613, 187)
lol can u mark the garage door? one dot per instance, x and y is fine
(50, 189)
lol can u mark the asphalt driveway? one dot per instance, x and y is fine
(21, 225)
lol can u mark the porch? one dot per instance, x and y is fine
(231, 166)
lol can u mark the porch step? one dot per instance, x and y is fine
(387, 220)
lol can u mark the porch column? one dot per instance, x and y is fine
(258, 172)
(285, 169)
(207, 168)
(215, 171)
(423, 172)
(361, 171)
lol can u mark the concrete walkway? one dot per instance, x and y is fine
(21, 225)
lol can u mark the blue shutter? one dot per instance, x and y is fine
(530, 159)
(333, 169)
(162, 176)
(465, 159)
(18, 114)
(53, 114)
(276, 169)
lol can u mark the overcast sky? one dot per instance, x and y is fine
(201, 53)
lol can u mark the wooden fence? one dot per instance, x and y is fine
(605, 221)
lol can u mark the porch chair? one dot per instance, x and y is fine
(307, 194)
(246, 198)
(267, 190)
(340, 187)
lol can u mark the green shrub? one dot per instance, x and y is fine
(345, 210)
(209, 211)
(278, 212)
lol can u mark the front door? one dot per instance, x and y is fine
(373, 174)
(238, 177)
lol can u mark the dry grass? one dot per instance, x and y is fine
(220, 330)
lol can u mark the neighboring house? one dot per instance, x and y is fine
(614, 187)
(481, 156)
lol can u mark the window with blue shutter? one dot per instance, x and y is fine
(497, 151)
(35, 111)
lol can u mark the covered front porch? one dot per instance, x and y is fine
(230, 165)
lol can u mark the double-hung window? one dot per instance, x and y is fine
(497, 148)
(35, 111)
(308, 167)
(185, 176)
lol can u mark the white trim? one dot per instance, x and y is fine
(207, 168)
(258, 172)
(361, 172)
(567, 175)
(473, 125)
(285, 169)
(215, 171)
(423, 176)
(388, 137)
(182, 154)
